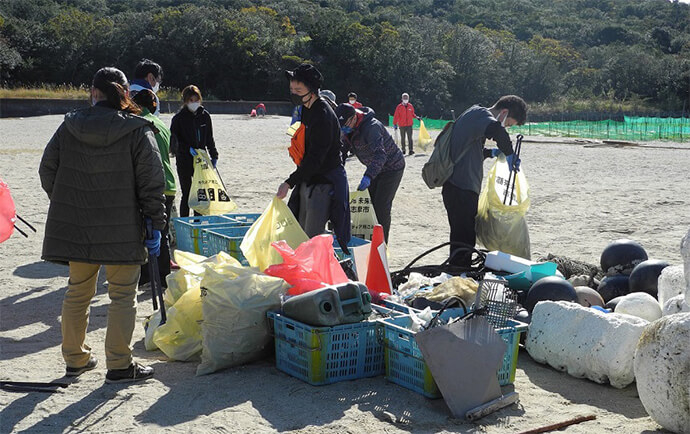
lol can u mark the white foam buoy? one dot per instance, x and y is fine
(662, 371)
(641, 305)
(671, 283)
(674, 305)
(585, 342)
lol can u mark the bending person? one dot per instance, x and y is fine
(373, 145)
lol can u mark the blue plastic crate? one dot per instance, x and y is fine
(354, 242)
(405, 363)
(243, 219)
(225, 239)
(325, 355)
(188, 230)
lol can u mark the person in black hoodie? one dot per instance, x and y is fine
(320, 183)
(190, 128)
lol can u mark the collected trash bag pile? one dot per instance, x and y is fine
(215, 307)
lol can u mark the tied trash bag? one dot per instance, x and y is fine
(8, 214)
(362, 215)
(207, 194)
(180, 337)
(502, 226)
(234, 304)
(311, 266)
(276, 223)
(424, 136)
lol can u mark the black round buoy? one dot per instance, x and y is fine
(550, 288)
(588, 297)
(622, 256)
(611, 304)
(613, 286)
(645, 275)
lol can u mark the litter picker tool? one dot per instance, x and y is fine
(154, 275)
(32, 386)
(513, 173)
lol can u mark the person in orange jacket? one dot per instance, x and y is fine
(404, 117)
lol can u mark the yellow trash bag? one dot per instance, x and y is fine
(234, 303)
(276, 223)
(502, 226)
(424, 137)
(180, 337)
(362, 215)
(207, 194)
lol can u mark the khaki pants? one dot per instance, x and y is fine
(122, 287)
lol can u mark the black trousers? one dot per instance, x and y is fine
(461, 206)
(164, 257)
(406, 131)
(382, 191)
(185, 171)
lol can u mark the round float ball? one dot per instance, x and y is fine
(611, 304)
(645, 275)
(550, 288)
(622, 255)
(523, 315)
(611, 287)
(588, 297)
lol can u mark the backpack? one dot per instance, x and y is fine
(438, 169)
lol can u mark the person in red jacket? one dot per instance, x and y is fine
(404, 117)
(352, 100)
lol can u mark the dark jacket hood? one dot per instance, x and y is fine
(102, 126)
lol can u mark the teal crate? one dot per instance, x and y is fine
(243, 219)
(188, 230)
(354, 242)
(225, 239)
(325, 355)
(405, 363)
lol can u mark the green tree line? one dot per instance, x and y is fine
(447, 54)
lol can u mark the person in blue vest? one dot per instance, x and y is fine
(461, 191)
(370, 141)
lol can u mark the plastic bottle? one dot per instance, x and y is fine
(332, 305)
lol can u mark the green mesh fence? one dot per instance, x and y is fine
(632, 128)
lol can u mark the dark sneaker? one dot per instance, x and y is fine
(411, 153)
(135, 372)
(75, 372)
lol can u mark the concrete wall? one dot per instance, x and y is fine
(20, 107)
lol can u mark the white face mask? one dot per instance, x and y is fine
(405, 101)
(93, 101)
(503, 122)
(193, 106)
(352, 101)
(156, 87)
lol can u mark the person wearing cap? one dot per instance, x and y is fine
(374, 147)
(461, 191)
(404, 118)
(320, 190)
(325, 93)
(352, 100)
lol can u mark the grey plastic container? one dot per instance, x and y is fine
(332, 305)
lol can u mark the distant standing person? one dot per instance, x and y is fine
(321, 191)
(404, 117)
(461, 191)
(147, 75)
(191, 128)
(373, 145)
(103, 175)
(146, 99)
(352, 100)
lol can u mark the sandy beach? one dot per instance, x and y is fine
(584, 194)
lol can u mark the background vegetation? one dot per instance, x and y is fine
(448, 54)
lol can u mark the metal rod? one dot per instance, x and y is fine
(21, 231)
(26, 223)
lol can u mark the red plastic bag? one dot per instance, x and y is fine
(8, 214)
(311, 266)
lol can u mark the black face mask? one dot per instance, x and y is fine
(298, 99)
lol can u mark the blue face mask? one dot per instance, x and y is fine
(346, 129)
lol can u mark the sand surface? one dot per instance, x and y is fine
(584, 195)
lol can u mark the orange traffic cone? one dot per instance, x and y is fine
(378, 278)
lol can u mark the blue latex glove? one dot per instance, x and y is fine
(513, 162)
(395, 127)
(192, 151)
(153, 238)
(495, 152)
(214, 161)
(364, 183)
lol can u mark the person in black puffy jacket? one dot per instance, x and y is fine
(190, 128)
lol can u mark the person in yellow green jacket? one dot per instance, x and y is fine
(146, 99)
